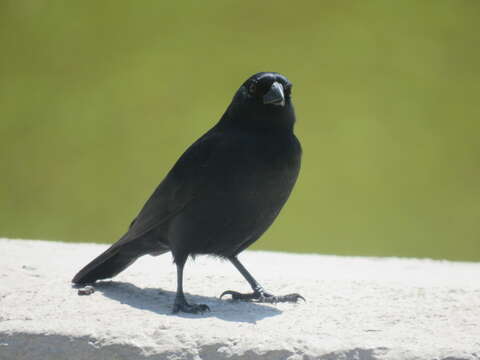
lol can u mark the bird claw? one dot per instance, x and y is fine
(239, 296)
(263, 297)
(283, 298)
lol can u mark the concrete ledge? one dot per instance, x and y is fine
(357, 308)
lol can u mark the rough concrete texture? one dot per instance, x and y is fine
(357, 308)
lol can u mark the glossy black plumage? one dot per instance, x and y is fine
(223, 192)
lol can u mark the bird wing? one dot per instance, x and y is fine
(184, 181)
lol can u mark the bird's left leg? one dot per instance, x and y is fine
(180, 302)
(259, 294)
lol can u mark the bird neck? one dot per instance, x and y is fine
(281, 122)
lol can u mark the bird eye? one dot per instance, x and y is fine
(288, 89)
(252, 88)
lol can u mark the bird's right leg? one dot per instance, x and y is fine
(259, 294)
(180, 301)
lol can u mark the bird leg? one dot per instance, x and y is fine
(259, 294)
(180, 301)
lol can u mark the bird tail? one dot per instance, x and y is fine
(106, 265)
(112, 261)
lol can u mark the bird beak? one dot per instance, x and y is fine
(275, 95)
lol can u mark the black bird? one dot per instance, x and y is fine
(221, 195)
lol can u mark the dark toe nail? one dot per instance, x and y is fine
(233, 294)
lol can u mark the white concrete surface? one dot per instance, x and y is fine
(357, 308)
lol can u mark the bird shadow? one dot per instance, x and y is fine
(160, 301)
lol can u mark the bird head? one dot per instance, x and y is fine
(262, 102)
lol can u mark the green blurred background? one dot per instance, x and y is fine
(99, 98)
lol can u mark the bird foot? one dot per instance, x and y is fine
(185, 307)
(263, 297)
